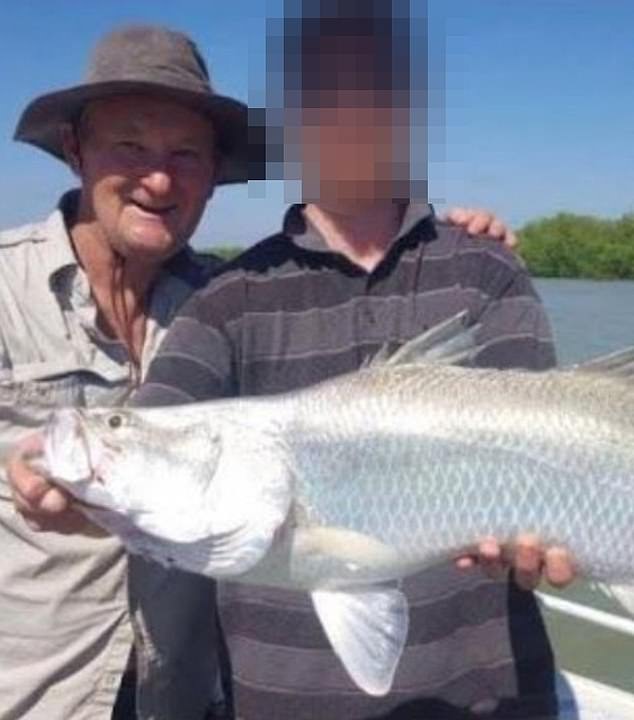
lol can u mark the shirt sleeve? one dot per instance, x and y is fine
(196, 360)
(514, 329)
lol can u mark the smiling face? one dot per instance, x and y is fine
(147, 168)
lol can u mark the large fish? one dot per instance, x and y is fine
(344, 488)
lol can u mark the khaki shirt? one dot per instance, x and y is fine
(65, 627)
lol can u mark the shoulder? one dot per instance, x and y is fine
(232, 285)
(23, 251)
(268, 259)
(12, 239)
(194, 268)
(479, 261)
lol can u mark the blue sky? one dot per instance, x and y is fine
(539, 101)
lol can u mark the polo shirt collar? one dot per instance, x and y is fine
(304, 235)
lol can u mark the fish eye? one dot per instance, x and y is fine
(115, 421)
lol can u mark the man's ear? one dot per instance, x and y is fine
(70, 144)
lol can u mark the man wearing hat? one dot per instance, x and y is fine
(85, 298)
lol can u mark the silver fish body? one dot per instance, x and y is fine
(341, 488)
(428, 459)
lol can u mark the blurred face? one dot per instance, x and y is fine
(350, 148)
(147, 169)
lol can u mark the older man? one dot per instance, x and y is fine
(85, 298)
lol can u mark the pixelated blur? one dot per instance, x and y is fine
(346, 100)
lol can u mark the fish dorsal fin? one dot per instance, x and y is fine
(619, 365)
(451, 342)
(367, 628)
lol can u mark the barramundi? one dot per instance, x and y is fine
(346, 487)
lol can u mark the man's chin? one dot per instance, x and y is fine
(152, 248)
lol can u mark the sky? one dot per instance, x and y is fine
(536, 116)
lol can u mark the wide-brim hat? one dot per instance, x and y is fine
(149, 60)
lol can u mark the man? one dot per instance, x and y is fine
(85, 298)
(148, 140)
(352, 269)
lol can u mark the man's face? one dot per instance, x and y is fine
(349, 148)
(147, 168)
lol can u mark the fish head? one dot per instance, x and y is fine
(156, 468)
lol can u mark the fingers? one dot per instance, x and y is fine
(527, 561)
(489, 557)
(457, 216)
(511, 240)
(559, 567)
(482, 222)
(526, 557)
(34, 497)
(69, 522)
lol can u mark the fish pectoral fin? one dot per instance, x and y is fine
(237, 550)
(367, 628)
(248, 506)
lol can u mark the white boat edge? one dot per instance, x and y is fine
(583, 699)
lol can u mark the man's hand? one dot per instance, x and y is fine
(528, 560)
(43, 506)
(482, 222)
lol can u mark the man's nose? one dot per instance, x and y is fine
(157, 180)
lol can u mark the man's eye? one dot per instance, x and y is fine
(187, 154)
(130, 147)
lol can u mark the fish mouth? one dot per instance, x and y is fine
(67, 449)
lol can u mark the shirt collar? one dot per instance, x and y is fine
(304, 235)
(54, 231)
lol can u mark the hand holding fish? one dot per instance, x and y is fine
(527, 558)
(45, 507)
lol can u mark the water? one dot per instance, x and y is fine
(590, 318)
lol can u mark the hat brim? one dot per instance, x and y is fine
(41, 122)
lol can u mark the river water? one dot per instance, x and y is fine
(590, 318)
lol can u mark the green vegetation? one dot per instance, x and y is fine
(577, 246)
(566, 246)
(226, 252)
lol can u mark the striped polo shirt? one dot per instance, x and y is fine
(289, 312)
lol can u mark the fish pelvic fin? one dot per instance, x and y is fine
(367, 628)
(451, 342)
(619, 365)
